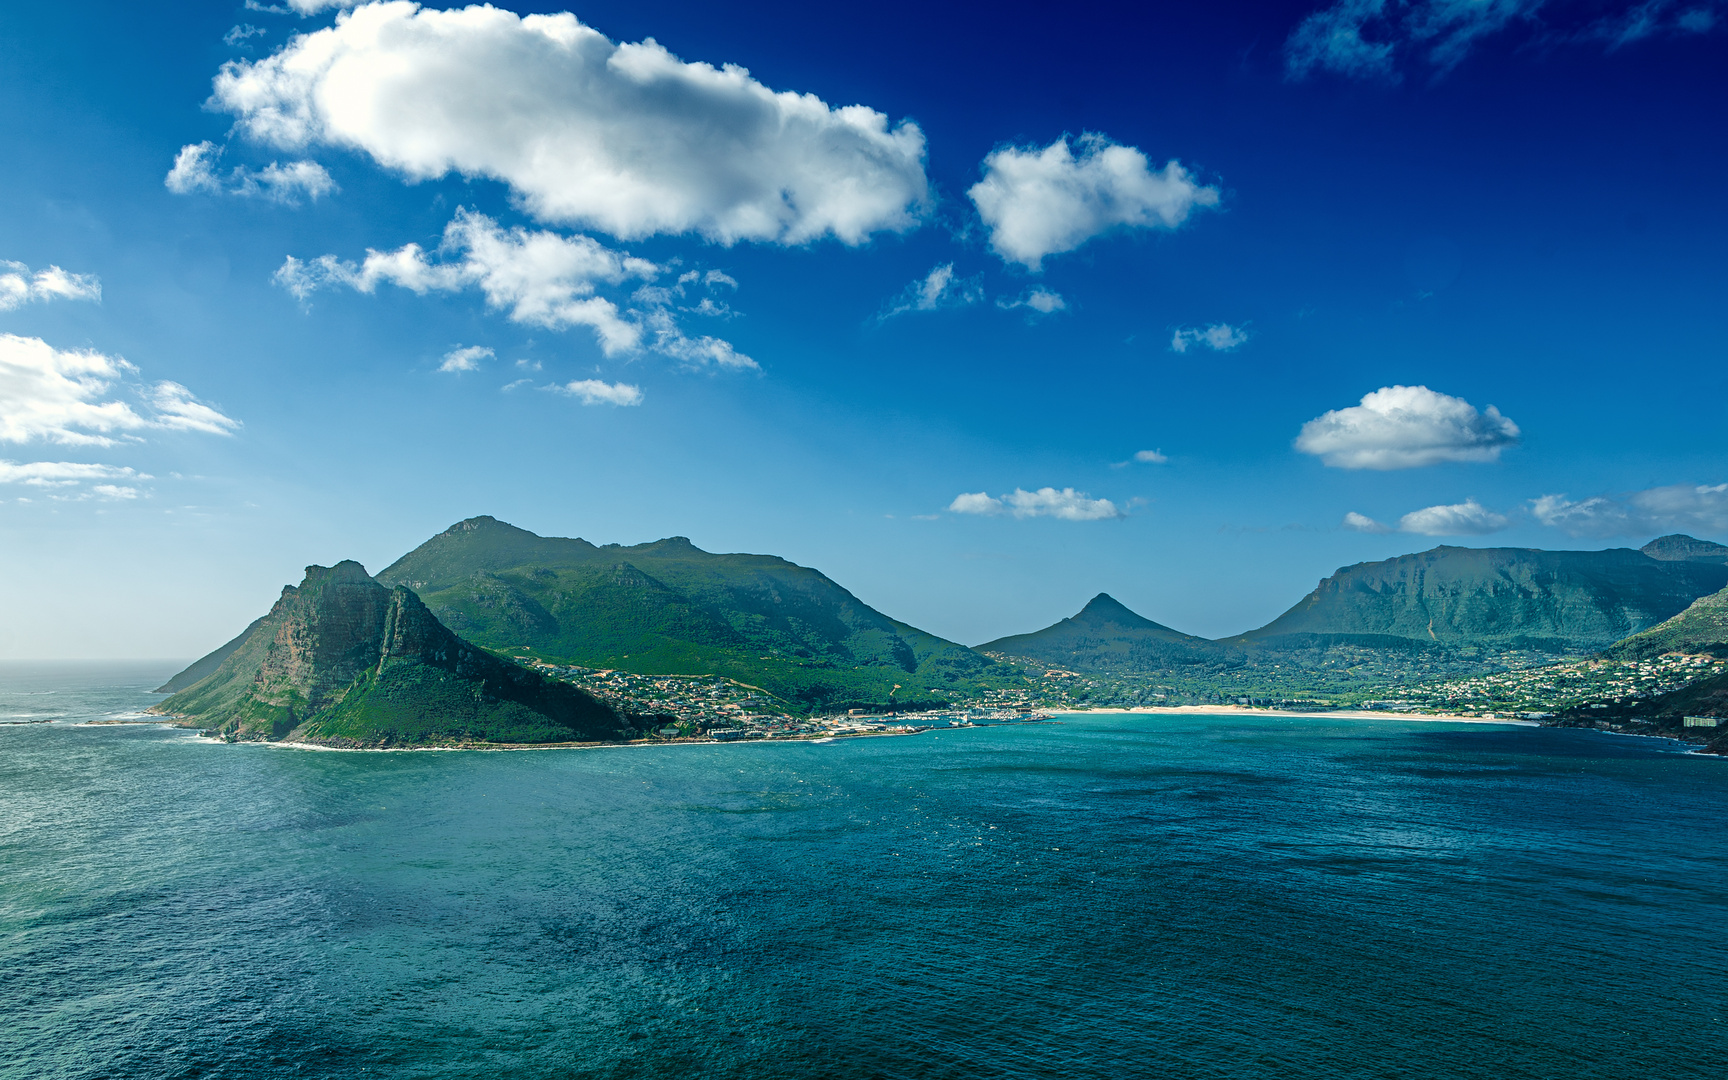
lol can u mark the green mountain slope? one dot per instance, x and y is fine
(1701, 628)
(669, 608)
(1106, 636)
(341, 660)
(1501, 597)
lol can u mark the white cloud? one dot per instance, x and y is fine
(1403, 427)
(940, 288)
(1043, 202)
(697, 351)
(595, 392)
(195, 171)
(19, 285)
(542, 278)
(1039, 299)
(1672, 508)
(1364, 38)
(1151, 457)
(112, 491)
(466, 358)
(975, 502)
(627, 139)
(1219, 337)
(1363, 523)
(1468, 518)
(58, 396)
(177, 410)
(57, 474)
(313, 7)
(237, 35)
(1332, 40)
(1066, 504)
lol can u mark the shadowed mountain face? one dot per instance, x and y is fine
(341, 660)
(1106, 636)
(1701, 628)
(1511, 597)
(670, 608)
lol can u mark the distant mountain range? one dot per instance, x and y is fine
(342, 661)
(670, 608)
(1523, 598)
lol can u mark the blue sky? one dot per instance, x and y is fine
(981, 312)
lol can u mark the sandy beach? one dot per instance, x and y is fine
(1340, 714)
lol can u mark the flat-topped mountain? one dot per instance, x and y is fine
(1510, 597)
(1106, 636)
(1678, 547)
(669, 607)
(341, 660)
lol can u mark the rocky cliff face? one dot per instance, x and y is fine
(341, 660)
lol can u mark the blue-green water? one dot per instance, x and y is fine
(1105, 897)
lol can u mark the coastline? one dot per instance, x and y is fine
(1333, 714)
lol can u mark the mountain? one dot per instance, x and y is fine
(341, 660)
(204, 667)
(1678, 547)
(1701, 628)
(1504, 597)
(670, 608)
(1106, 636)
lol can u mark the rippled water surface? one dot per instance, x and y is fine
(1104, 897)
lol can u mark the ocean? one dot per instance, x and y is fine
(1103, 896)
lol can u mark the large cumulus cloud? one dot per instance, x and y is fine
(625, 138)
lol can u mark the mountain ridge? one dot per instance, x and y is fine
(668, 607)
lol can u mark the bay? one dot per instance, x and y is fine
(1192, 896)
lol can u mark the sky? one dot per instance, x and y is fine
(978, 310)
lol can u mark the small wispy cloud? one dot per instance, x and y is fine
(1363, 523)
(238, 36)
(19, 285)
(194, 172)
(1468, 518)
(1065, 504)
(595, 392)
(466, 358)
(1219, 337)
(1038, 299)
(59, 474)
(940, 288)
(1672, 508)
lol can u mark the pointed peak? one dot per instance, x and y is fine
(1105, 608)
(483, 523)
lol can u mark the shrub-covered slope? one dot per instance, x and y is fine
(670, 608)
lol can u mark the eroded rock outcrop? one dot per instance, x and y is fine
(341, 660)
